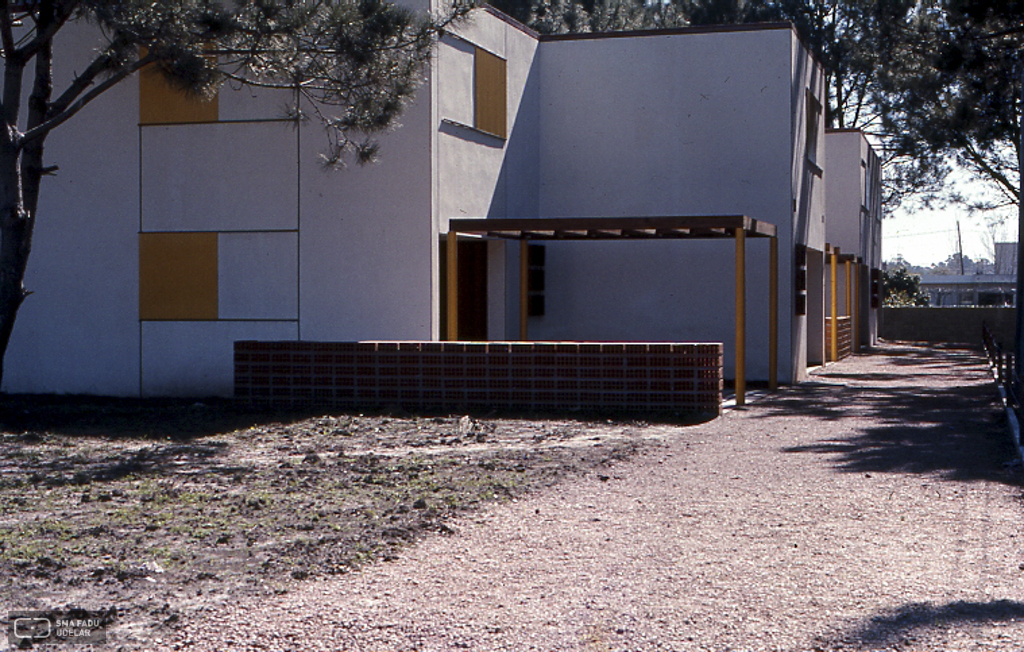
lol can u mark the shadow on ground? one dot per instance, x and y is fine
(910, 422)
(905, 624)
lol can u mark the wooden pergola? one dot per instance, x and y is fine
(738, 227)
(851, 264)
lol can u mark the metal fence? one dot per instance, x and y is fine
(1002, 363)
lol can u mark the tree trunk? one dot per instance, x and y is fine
(21, 170)
(15, 245)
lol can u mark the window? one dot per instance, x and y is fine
(178, 276)
(161, 103)
(813, 126)
(490, 90)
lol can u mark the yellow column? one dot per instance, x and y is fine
(524, 290)
(835, 304)
(849, 290)
(453, 286)
(741, 312)
(849, 299)
(773, 313)
(855, 325)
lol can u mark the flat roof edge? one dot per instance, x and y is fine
(502, 16)
(671, 31)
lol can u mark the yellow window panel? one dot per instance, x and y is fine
(490, 91)
(178, 276)
(161, 103)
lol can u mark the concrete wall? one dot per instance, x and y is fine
(711, 138)
(951, 325)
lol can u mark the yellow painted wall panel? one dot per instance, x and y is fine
(161, 103)
(178, 276)
(491, 93)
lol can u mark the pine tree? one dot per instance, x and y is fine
(356, 63)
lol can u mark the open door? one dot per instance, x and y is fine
(472, 290)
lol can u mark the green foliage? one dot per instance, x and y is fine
(951, 89)
(584, 16)
(933, 84)
(901, 288)
(351, 64)
(855, 41)
(354, 64)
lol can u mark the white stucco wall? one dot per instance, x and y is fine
(853, 174)
(619, 137)
(845, 179)
(478, 174)
(596, 128)
(365, 237)
(79, 331)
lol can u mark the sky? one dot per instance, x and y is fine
(925, 237)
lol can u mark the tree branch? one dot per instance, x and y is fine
(59, 118)
(45, 36)
(6, 30)
(988, 170)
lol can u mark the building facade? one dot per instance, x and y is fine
(854, 234)
(174, 229)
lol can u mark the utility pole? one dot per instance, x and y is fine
(960, 247)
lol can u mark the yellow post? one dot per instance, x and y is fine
(849, 290)
(741, 313)
(524, 290)
(855, 321)
(453, 287)
(773, 313)
(835, 305)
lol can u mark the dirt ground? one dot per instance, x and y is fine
(876, 507)
(149, 510)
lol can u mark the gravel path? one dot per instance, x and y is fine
(870, 509)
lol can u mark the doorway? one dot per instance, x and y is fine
(472, 282)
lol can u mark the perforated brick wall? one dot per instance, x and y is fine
(545, 376)
(845, 337)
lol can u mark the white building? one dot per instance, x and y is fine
(175, 229)
(853, 178)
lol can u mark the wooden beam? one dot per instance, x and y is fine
(773, 314)
(674, 233)
(741, 316)
(453, 286)
(615, 225)
(524, 290)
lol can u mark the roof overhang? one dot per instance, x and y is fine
(614, 228)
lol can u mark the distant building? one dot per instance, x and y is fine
(1006, 258)
(973, 290)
